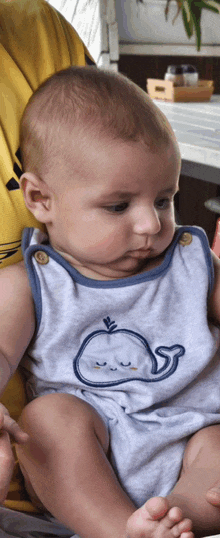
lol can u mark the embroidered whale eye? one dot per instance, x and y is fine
(129, 364)
(104, 364)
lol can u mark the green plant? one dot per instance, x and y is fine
(191, 13)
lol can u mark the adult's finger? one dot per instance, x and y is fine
(7, 462)
(13, 428)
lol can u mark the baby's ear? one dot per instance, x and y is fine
(37, 196)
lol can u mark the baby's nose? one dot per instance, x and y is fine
(147, 222)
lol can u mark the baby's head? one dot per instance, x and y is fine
(101, 167)
(86, 101)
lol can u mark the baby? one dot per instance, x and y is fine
(111, 305)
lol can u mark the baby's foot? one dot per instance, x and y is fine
(155, 520)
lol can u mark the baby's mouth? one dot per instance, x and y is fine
(140, 253)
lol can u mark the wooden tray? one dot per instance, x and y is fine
(165, 89)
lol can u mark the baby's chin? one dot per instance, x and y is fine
(125, 268)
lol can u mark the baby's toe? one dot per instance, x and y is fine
(183, 527)
(156, 507)
(187, 535)
(170, 520)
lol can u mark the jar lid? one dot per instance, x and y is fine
(175, 69)
(187, 68)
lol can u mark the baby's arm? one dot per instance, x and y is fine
(17, 323)
(213, 494)
(214, 302)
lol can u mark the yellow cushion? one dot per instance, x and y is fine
(35, 42)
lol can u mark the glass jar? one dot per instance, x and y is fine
(190, 74)
(175, 73)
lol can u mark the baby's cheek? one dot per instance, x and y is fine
(168, 227)
(103, 242)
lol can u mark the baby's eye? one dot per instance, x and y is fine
(117, 208)
(122, 364)
(163, 203)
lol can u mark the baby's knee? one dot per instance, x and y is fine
(53, 417)
(202, 444)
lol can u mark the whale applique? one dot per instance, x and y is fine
(112, 356)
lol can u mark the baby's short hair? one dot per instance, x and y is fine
(95, 101)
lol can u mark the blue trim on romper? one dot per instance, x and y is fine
(32, 274)
(152, 274)
(206, 249)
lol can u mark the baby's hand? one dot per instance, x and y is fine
(11, 426)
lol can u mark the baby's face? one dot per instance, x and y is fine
(116, 216)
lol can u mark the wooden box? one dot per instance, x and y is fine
(165, 89)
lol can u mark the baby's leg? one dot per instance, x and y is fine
(65, 462)
(67, 472)
(201, 465)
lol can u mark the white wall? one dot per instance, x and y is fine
(84, 16)
(95, 22)
(145, 22)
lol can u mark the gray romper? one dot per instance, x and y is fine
(139, 349)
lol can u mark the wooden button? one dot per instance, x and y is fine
(186, 239)
(41, 257)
